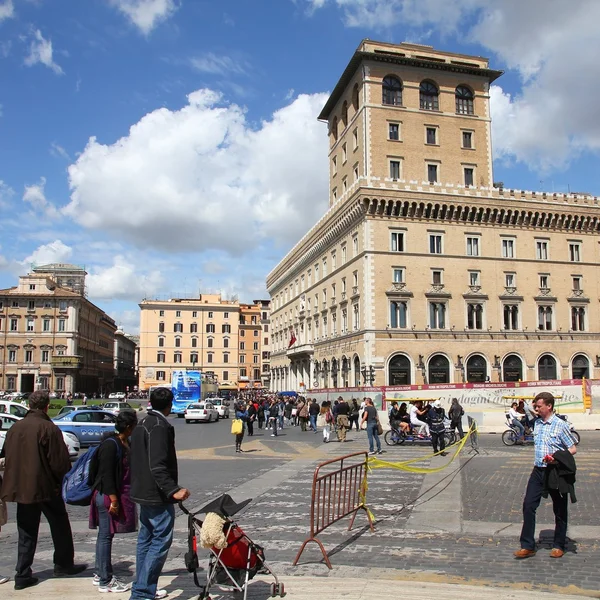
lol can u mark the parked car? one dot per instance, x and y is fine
(200, 411)
(117, 396)
(89, 426)
(222, 407)
(7, 421)
(68, 409)
(12, 408)
(116, 407)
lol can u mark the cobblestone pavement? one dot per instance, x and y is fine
(492, 489)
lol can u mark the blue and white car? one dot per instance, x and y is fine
(89, 426)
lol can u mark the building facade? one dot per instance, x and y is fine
(53, 338)
(422, 270)
(125, 362)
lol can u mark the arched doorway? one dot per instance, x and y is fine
(439, 369)
(356, 371)
(476, 369)
(399, 370)
(547, 367)
(580, 367)
(512, 368)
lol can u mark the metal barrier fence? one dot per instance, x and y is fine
(339, 490)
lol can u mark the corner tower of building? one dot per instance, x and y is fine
(408, 113)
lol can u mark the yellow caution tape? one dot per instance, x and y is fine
(362, 494)
(406, 465)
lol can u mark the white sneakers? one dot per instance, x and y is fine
(115, 587)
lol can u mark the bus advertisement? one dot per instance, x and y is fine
(187, 387)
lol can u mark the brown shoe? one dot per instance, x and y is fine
(556, 553)
(524, 553)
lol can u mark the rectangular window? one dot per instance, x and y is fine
(472, 246)
(242, 345)
(30, 324)
(161, 327)
(355, 245)
(437, 315)
(355, 139)
(210, 314)
(398, 275)
(474, 316)
(467, 139)
(194, 328)
(62, 325)
(243, 372)
(576, 284)
(255, 359)
(226, 315)
(46, 325)
(394, 169)
(577, 318)
(161, 342)
(160, 357)
(511, 316)
(432, 173)
(255, 345)
(545, 318)
(242, 358)
(225, 357)
(474, 278)
(394, 131)
(509, 280)
(541, 250)
(32, 286)
(45, 356)
(544, 282)
(178, 313)
(194, 314)
(194, 342)
(178, 357)
(343, 255)
(435, 244)
(28, 356)
(397, 241)
(575, 252)
(62, 305)
(12, 356)
(225, 375)
(356, 317)
(161, 313)
(431, 135)
(160, 375)
(469, 176)
(398, 315)
(177, 342)
(508, 248)
(31, 305)
(14, 324)
(334, 165)
(15, 304)
(344, 153)
(436, 277)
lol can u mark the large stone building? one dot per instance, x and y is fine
(216, 336)
(53, 338)
(423, 270)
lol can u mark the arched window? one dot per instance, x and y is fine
(344, 114)
(439, 369)
(325, 374)
(580, 367)
(512, 368)
(391, 91)
(355, 98)
(399, 370)
(345, 371)
(334, 129)
(546, 367)
(476, 369)
(334, 372)
(356, 371)
(464, 100)
(429, 96)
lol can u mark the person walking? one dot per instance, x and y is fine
(289, 407)
(455, 414)
(371, 418)
(554, 445)
(251, 410)
(241, 413)
(281, 404)
(313, 412)
(354, 414)
(155, 487)
(111, 508)
(36, 462)
(267, 412)
(342, 419)
(274, 417)
(435, 419)
(260, 414)
(303, 414)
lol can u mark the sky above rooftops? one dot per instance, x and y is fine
(172, 146)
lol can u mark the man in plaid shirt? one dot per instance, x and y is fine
(550, 435)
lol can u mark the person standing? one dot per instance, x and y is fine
(354, 413)
(242, 414)
(36, 462)
(313, 412)
(3, 516)
(342, 419)
(267, 413)
(553, 444)
(370, 417)
(435, 418)
(455, 414)
(274, 416)
(155, 487)
(111, 508)
(260, 413)
(251, 417)
(303, 413)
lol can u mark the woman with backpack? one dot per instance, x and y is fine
(455, 414)
(111, 508)
(326, 420)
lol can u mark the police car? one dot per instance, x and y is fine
(89, 426)
(7, 421)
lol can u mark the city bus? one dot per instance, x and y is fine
(187, 387)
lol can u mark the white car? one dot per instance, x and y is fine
(222, 407)
(200, 411)
(12, 408)
(7, 421)
(116, 407)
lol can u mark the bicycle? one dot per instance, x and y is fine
(397, 437)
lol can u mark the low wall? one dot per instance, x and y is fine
(484, 402)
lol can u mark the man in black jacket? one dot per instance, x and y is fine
(155, 488)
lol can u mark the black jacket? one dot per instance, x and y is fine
(106, 470)
(153, 461)
(561, 476)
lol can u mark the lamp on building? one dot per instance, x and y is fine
(421, 365)
(459, 362)
(371, 374)
(497, 362)
(597, 365)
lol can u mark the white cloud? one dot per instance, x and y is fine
(123, 280)
(54, 252)
(201, 177)
(127, 320)
(7, 10)
(40, 52)
(6, 194)
(146, 14)
(35, 195)
(552, 44)
(219, 65)
(58, 151)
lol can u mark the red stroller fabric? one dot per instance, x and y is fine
(235, 556)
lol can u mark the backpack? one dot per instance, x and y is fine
(78, 482)
(328, 417)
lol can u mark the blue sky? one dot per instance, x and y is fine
(172, 146)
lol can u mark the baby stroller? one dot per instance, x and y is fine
(236, 564)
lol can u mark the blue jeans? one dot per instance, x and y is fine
(313, 422)
(519, 427)
(154, 541)
(267, 415)
(373, 435)
(280, 420)
(104, 568)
